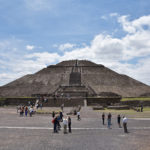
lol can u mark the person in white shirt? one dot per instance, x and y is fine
(125, 124)
(78, 115)
(65, 122)
(31, 111)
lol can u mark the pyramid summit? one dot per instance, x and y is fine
(75, 78)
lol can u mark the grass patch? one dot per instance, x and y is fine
(136, 98)
(147, 109)
(130, 113)
(2, 99)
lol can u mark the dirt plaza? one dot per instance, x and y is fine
(36, 133)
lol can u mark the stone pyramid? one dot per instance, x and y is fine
(75, 75)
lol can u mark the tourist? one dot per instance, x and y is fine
(54, 121)
(58, 122)
(53, 114)
(75, 112)
(31, 111)
(41, 105)
(26, 111)
(61, 116)
(78, 116)
(109, 120)
(125, 124)
(45, 100)
(62, 107)
(141, 108)
(65, 125)
(21, 111)
(119, 120)
(18, 108)
(103, 118)
(37, 105)
(29, 103)
(69, 124)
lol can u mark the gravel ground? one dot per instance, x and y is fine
(87, 134)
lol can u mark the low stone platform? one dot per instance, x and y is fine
(125, 107)
(98, 108)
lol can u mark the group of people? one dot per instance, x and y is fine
(25, 110)
(109, 118)
(60, 118)
(38, 104)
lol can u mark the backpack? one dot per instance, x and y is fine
(53, 120)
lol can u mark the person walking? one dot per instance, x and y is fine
(78, 116)
(109, 120)
(103, 118)
(65, 125)
(125, 124)
(69, 124)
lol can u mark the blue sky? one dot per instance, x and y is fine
(37, 33)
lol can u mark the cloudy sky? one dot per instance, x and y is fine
(38, 33)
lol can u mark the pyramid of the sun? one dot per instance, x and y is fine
(75, 76)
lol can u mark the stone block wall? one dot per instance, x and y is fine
(67, 103)
(135, 103)
(102, 101)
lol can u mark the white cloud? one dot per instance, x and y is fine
(115, 53)
(65, 46)
(30, 47)
(113, 14)
(137, 25)
(44, 57)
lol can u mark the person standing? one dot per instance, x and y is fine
(58, 123)
(141, 108)
(69, 124)
(26, 111)
(109, 120)
(54, 121)
(41, 105)
(125, 124)
(65, 125)
(119, 120)
(61, 116)
(53, 114)
(62, 107)
(30, 111)
(103, 118)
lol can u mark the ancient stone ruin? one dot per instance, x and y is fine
(75, 80)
